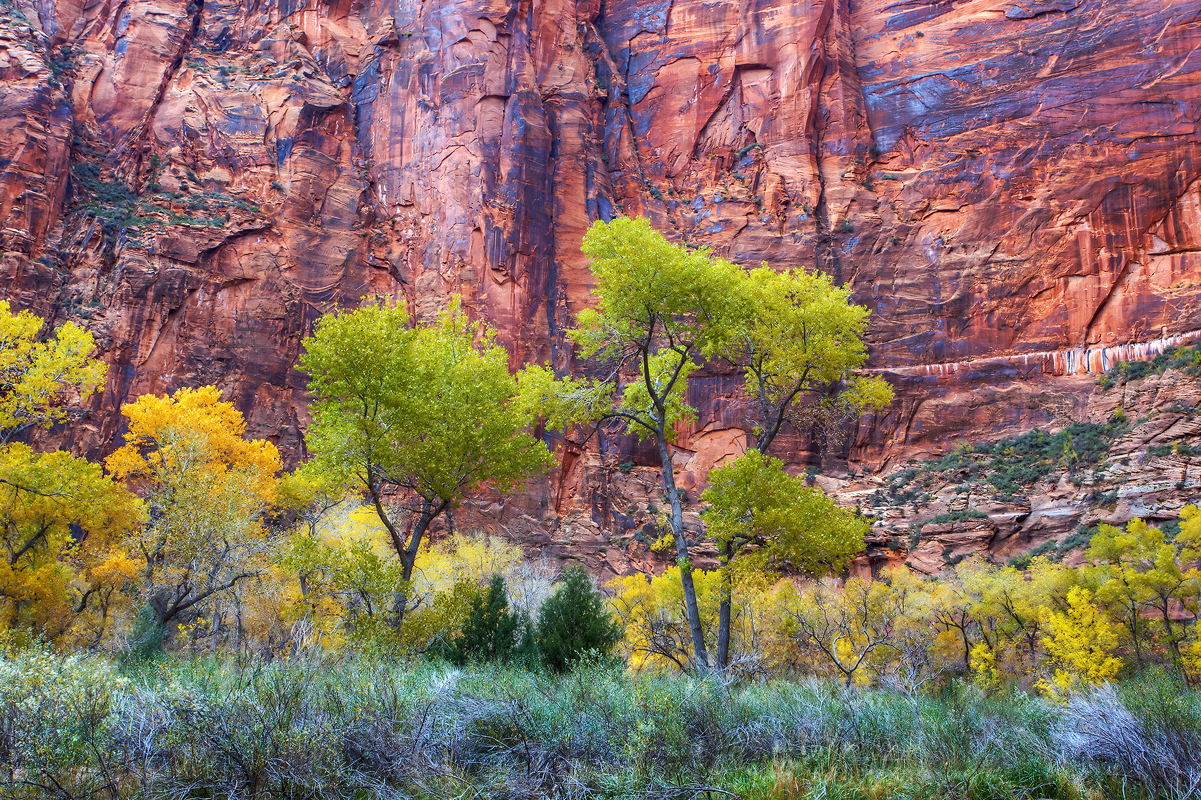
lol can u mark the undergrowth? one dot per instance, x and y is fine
(1013, 464)
(245, 728)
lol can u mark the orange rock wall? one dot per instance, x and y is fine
(990, 176)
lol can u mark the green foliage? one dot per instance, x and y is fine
(1185, 359)
(110, 202)
(430, 413)
(800, 339)
(60, 63)
(963, 515)
(742, 151)
(659, 308)
(755, 505)
(1016, 462)
(572, 622)
(1055, 551)
(490, 632)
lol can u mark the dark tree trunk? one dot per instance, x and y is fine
(699, 651)
(723, 622)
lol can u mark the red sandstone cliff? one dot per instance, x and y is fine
(198, 180)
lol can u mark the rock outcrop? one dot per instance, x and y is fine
(1005, 183)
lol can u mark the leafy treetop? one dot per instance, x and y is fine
(167, 435)
(417, 416)
(35, 375)
(799, 338)
(755, 505)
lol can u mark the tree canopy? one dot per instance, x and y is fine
(798, 342)
(61, 521)
(663, 310)
(39, 377)
(207, 488)
(416, 416)
(765, 518)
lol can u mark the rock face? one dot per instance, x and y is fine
(1007, 184)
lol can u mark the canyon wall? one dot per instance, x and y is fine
(1004, 183)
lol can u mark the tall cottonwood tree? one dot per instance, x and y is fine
(661, 309)
(417, 417)
(798, 341)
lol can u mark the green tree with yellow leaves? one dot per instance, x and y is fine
(41, 377)
(762, 518)
(663, 310)
(798, 339)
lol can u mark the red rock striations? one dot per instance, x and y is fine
(1005, 183)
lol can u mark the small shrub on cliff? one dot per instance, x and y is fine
(963, 515)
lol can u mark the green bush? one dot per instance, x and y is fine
(491, 633)
(963, 515)
(573, 622)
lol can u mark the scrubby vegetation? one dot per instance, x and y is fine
(82, 726)
(1185, 359)
(1011, 465)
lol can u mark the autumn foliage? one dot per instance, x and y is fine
(191, 537)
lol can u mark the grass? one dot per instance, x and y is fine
(240, 727)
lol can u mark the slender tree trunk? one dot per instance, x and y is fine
(1134, 636)
(408, 555)
(723, 621)
(1173, 643)
(699, 651)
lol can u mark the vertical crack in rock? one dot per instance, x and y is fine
(136, 138)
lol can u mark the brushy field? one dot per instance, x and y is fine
(79, 726)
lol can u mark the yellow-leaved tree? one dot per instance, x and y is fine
(1079, 645)
(207, 488)
(40, 378)
(59, 515)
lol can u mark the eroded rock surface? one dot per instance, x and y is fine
(198, 180)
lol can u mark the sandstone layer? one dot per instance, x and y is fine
(1004, 183)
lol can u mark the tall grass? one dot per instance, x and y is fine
(77, 727)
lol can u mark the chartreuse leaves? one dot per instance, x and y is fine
(37, 376)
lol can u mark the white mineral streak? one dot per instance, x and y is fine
(1071, 361)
